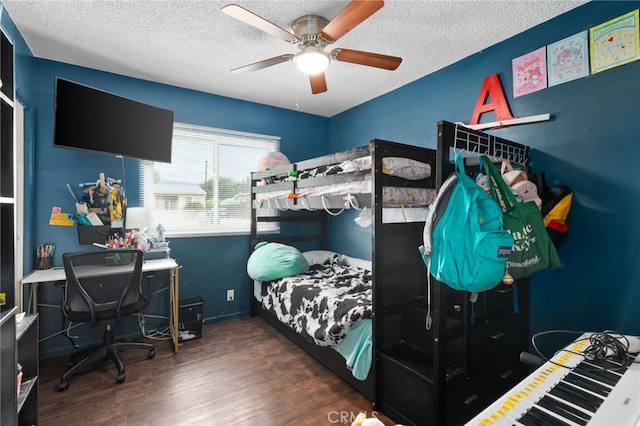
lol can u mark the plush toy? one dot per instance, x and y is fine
(362, 420)
(141, 239)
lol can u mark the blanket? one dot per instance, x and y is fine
(323, 303)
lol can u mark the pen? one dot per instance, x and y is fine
(73, 194)
(45, 250)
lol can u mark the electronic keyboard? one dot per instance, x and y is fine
(571, 390)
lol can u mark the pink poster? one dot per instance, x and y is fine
(530, 72)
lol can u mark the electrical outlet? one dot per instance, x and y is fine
(230, 295)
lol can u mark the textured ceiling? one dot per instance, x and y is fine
(192, 44)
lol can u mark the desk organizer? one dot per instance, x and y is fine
(96, 234)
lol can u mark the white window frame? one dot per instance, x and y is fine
(210, 222)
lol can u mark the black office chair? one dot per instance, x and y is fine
(102, 288)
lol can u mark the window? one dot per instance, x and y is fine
(206, 189)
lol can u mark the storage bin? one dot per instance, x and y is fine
(93, 234)
(96, 234)
(190, 318)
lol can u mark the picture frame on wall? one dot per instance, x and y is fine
(530, 72)
(615, 42)
(568, 59)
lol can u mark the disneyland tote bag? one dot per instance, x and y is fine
(532, 249)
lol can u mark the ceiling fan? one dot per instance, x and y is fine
(312, 33)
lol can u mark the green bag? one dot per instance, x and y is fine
(532, 249)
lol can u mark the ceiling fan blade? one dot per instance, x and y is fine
(263, 64)
(260, 23)
(366, 58)
(318, 83)
(350, 17)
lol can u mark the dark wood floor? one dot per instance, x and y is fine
(241, 372)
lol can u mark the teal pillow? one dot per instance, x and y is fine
(270, 261)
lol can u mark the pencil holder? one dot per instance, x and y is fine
(43, 263)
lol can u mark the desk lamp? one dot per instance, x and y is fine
(138, 220)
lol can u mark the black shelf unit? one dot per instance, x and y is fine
(7, 175)
(470, 355)
(8, 402)
(27, 354)
(19, 345)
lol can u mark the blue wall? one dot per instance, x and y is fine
(587, 145)
(591, 144)
(210, 265)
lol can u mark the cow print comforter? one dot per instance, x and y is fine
(323, 303)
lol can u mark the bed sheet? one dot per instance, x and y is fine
(357, 348)
(391, 195)
(405, 168)
(322, 303)
(330, 306)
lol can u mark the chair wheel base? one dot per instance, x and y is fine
(120, 378)
(63, 385)
(151, 354)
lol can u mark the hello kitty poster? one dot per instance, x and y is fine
(530, 72)
(615, 42)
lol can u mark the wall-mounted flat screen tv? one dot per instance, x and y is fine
(91, 119)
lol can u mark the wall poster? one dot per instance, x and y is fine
(568, 59)
(530, 72)
(615, 42)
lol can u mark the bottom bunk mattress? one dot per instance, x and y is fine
(329, 305)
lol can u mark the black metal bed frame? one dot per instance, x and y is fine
(391, 256)
(406, 358)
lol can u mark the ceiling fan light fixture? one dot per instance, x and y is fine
(312, 60)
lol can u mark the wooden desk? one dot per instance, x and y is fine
(34, 278)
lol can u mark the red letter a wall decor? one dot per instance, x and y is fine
(491, 89)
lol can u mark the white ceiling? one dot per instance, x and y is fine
(192, 44)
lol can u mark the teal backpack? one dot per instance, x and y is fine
(465, 244)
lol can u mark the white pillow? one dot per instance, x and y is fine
(354, 261)
(318, 257)
(405, 168)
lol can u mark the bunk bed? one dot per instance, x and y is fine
(302, 215)
(417, 376)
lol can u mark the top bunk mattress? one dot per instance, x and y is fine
(410, 184)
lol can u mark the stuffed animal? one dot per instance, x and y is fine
(362, 420)
(141, 240)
